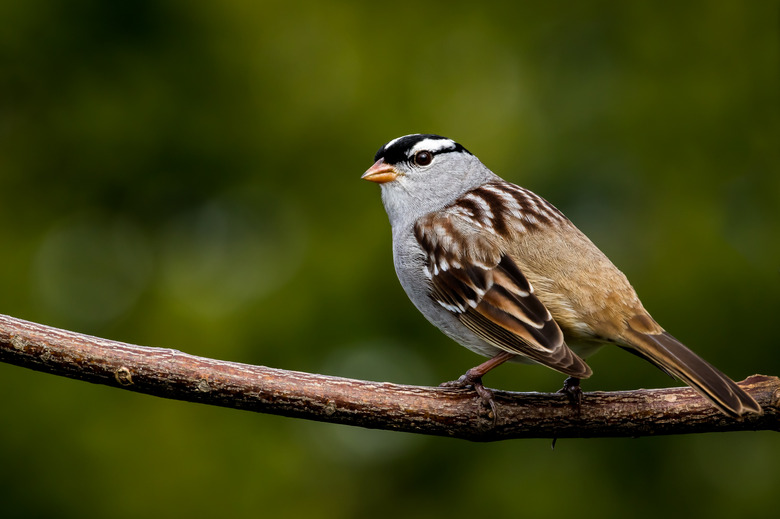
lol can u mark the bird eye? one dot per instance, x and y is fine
(423, 158)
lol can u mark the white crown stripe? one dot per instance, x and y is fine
(432, 145)
(390, 143)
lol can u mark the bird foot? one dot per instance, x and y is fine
(571, 388)
(469, 379)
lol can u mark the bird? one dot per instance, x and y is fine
(501, 271)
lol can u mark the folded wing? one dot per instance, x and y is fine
(472, 277)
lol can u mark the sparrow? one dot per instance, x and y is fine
(504, 273)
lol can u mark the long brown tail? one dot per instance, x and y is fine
(673, 357)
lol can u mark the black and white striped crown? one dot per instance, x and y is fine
(404, 148)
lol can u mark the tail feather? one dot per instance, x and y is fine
(674, 358)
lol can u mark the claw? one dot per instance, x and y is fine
(473, 378)
(571, 388)
(469, 379)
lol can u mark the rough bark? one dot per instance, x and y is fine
(426, 410)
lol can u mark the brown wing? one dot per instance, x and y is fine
(474, 279)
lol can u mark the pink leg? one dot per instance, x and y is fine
(473, 378)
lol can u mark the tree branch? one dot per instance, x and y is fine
(380, 405)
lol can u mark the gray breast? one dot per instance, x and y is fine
(409, 260)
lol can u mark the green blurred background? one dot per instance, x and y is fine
(186, 175)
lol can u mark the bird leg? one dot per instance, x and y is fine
(473, 378)
(571, 388)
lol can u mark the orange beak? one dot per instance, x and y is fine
(380, 173)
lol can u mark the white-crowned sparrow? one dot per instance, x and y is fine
(504, 273)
